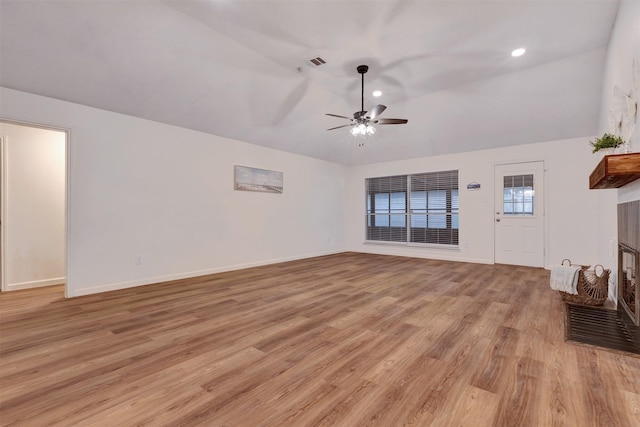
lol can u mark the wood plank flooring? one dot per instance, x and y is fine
(342, 340)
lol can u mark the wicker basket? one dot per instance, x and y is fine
(593, 287)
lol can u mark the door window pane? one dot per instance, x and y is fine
(518, 195)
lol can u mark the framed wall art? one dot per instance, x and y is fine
(253, 179)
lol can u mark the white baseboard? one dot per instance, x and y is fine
(35, 284)
(159, 279)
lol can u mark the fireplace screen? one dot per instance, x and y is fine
(629, 260)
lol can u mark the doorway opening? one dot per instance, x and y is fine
(33, 205)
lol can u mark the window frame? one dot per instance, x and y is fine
(411, 234)
(518, 203)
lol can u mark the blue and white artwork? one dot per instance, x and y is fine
(253, 179)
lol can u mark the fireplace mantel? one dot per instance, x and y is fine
(615, 171)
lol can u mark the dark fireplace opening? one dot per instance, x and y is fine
(629, 266)
(628, 260)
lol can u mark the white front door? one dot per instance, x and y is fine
(519, 214)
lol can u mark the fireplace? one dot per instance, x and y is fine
(614, 329)
(629, 263)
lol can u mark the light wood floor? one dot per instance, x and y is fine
(342, 340)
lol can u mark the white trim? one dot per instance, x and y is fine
(384, 243)
(434, 246)
(3, 213)
(413, 245)
(190, 274)
(36, 284)
(423, 255)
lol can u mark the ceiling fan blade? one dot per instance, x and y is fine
(391, 121)
(340, 117)
(376, 111)
(338, 127)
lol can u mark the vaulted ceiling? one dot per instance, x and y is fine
(241, 69)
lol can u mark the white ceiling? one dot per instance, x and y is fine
(231, 68)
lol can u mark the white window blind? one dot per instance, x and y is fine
(418, 208)
(387, 208)
(434, 208)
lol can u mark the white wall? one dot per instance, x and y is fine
(34, 206)
(145, 189)
(572, 210)
(624, 46)
(141, 188)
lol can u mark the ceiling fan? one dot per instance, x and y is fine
(362, 123)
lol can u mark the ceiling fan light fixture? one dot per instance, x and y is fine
(362, 130)
(377, 93)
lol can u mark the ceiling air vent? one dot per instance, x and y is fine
(317, 61)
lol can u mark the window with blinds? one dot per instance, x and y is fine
(418, 208)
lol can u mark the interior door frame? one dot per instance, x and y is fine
(3, 204)
(3, 191)
(545, 209)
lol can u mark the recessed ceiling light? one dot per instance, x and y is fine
(518, 52)
(377, 93)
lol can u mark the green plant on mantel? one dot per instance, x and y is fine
(607, 140)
